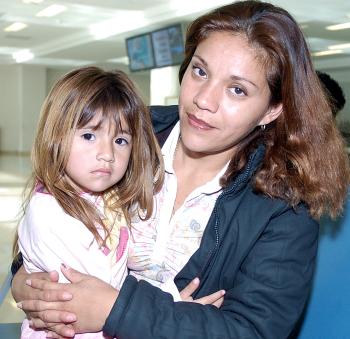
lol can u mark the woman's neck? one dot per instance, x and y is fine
(193, 163)
(195, 169)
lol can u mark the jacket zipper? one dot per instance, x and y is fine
(216, 226)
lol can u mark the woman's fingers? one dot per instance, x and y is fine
(48, 318)
(218, 302)
(49, 291)
(60, 331)
(186, 293)
(215, 299)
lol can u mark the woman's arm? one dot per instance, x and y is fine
(263, 299)
(78, 310)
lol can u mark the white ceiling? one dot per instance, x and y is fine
(65, 39)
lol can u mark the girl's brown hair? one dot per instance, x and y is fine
(74, 101)
(305, 159)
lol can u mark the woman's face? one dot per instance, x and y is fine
(224, 95)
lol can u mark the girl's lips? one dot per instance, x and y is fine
(101, 171)
(198, 123)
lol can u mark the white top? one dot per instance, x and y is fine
(162, 245)
(49, 237)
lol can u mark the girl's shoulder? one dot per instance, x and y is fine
(43, 202)
(44, 210)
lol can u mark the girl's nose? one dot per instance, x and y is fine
(105, 152)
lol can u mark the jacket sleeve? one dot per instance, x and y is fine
(263, 300)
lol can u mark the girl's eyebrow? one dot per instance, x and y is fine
(93, 127)
(125, 131)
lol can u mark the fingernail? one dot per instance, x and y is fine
(223, 292)
(28, 282)
(19, 305)
(71, 317)
(65, 266)
(66, 296)
(196, 281)
(69, 333)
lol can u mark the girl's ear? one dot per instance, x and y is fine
(272, 114)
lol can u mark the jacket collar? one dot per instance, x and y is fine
(254, 161)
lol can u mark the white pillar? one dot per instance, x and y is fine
(164, 86)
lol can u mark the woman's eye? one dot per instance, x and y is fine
(88, 136)
(121, 141)
(237, 91)
(199, 71)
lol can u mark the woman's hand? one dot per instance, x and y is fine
(215, 299)
(21, 291)
(88, 303)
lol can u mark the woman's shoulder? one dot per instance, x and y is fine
(164, 117)
(264, 211)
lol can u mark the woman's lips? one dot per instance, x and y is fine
(198, 123)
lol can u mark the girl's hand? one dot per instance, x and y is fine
(215, 299)
(88, 303)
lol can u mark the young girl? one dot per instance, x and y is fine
(95, 157)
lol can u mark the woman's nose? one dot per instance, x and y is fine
(208, 97)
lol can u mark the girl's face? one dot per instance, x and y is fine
(224, 95)
(99, 157)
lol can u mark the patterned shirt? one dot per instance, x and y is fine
(161, 246)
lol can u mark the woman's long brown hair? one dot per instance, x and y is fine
(305, 159)
(74, 100)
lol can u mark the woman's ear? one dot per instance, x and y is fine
(272, 114)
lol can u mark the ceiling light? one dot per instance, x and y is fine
(23, 55)
(323, 53)
(32, 1)
(338, 27)
(51, 11)
(341, 46)
(121, 60)
(15, 27)
(123, 23)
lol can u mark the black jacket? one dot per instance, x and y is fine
(260, 250)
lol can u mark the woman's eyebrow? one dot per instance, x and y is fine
(201, 59)
(233, 77)
(239, 78)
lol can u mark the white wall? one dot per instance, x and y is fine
(22, 90)
(24, 87)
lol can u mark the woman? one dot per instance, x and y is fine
(253, 163)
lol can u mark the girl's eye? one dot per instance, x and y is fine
(121, 141)
(199, 71)
(88, 136)
(237, 91)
